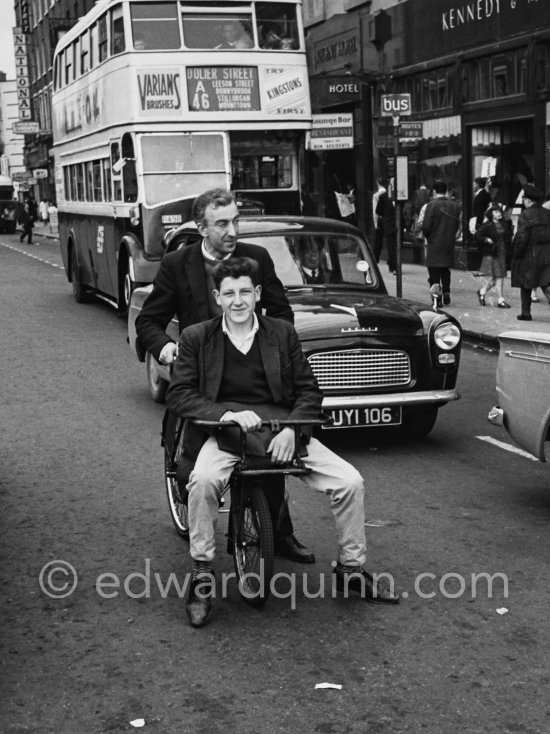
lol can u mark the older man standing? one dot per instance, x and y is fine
(531, 250)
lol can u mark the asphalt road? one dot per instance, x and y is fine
(82, 488)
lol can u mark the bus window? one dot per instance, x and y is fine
(262, 172)
(102, 38)
(80, 182)
(68, 56)
(276, 25)
(84, 53)
(107, 190)
(116, 166)
(129, 176)
(217, 31)
(96, 181)
(155, 25)
(118, 42)
(89, 181)
(93, 46)
(174, 165)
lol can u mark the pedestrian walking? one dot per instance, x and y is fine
(440, 227)
(385, 209)
(482, 199)
(531, 250)
(494, 240)
(27, 221)
(382, 185)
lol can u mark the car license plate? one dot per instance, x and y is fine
(373, 417)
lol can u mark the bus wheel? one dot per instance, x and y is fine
(157, 384)
(126, 287)
(80, 292)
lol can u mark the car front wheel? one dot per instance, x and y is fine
(421, 423)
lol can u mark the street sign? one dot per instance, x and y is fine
(40, 173)
(411, 130)
(25, 127)
(331, 132)
(19, 176)
(394, 105)
(401, 177)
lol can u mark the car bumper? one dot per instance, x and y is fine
(424, 397)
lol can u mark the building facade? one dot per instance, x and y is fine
(478, 75)
(40, 23)
(11, 143)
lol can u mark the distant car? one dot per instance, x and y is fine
(380, 361)
(523, 389)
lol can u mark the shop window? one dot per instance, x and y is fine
(155, 26)
(500, 81)
(262, 172)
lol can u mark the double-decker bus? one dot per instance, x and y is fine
(154, 102)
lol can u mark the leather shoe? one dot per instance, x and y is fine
(446, 299)
(525, 317)
(290, 547)
(198, 606)
(359, 581)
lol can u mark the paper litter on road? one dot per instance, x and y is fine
(502, 610)
(137, 723)
(329, 685)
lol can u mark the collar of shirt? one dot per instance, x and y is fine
(244, 344)
(208, 256)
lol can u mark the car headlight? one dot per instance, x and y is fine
(447, 336)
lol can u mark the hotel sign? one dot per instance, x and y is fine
(337, 51)
(22, 74)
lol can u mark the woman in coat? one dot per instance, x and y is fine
(493, 236)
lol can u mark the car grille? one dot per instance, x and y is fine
(361, 368)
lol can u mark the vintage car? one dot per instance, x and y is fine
(523, 389)
(380, 361)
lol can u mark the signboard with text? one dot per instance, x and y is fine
(229, 88)
(331, 132)
(25, 127)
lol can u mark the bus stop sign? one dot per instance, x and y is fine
(392, 105)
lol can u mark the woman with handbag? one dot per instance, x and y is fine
(493, 238)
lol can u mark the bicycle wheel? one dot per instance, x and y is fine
(253, 545)
(172, 440)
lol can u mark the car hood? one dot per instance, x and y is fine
(322, 314)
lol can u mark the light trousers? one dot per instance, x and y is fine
(330, 474)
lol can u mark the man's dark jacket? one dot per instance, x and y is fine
(439, 226)
(199, 366)
(180, 289)
(531, 249)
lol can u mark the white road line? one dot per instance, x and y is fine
(29, 254)
(507, 447)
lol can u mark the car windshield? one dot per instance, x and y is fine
(317, 259)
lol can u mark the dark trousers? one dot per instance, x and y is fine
(525, 294)
(27, 232)
(440, 275)
(391, 246)
(378, 243)
(274, 488)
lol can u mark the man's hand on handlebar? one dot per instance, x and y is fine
(248, 420)
(168, 353)
(282, 446)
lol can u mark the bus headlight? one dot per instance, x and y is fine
(447, 336)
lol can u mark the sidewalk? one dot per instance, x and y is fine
(483, 323)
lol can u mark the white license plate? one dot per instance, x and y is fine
(373, 417)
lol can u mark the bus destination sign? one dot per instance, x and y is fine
(223, 88)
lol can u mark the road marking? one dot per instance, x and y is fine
(507, 447)
(29, 254)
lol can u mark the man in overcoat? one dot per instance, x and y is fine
(531, 250)
(440, 226)
(184, 286)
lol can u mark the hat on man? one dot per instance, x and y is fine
(531, 192)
